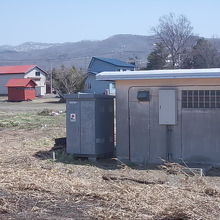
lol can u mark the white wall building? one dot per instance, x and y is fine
(167, 114)
(25, 71)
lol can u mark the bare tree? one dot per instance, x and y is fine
(174, 33)
(68, 80)
(203, 55)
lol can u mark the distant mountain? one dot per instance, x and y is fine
(124, 46)
(27, 46)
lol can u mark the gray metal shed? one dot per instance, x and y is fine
(167, 114)
(90, 125)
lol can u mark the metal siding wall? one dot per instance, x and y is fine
(104, 126)
(87, 120)
(97, 87)
(16, 94)
(73, 131)
(89, 135)
(4, 79)
(29, 94)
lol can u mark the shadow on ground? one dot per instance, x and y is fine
(215, 171)
(62, 157)
(59, 152)
(106, 164)
(55, 102)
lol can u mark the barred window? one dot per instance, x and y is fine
(200, 98)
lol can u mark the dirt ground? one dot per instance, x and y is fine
(35, 186)
(49, 102)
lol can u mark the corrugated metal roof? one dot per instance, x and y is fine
(115, 62)
(160, 74)
(19, 82)
(16, 69)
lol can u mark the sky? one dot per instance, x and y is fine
(58, 21)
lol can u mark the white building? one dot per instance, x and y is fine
(167, 114)
(23, 71)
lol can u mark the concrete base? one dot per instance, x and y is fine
(94, 157)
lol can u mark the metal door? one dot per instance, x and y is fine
(87, 127)
(73, 127)
(139, 127)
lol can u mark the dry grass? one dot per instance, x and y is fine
(33, 186)
(30, 120)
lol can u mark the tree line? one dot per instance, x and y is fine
(177, 47)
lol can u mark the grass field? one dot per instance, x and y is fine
(34, 186)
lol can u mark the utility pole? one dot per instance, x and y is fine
(51, 78)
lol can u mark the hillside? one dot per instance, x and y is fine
(47, 56)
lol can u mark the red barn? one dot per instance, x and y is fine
(21, 89)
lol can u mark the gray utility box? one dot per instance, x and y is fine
(90, 125)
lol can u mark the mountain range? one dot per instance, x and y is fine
(125, 47)
(52, 55)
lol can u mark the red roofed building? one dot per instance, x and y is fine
(21, 72)
(21, 89)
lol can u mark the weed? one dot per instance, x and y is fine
(30, 121)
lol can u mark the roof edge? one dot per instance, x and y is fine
(8, 84)
(35, 66)
(160, 74)
(128, 64)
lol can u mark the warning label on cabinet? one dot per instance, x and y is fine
(73, 117)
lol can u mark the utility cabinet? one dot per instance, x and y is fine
(90, 125)
(167, 107)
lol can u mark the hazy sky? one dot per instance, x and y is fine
(75, 20)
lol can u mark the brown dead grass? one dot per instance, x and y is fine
(33, 187)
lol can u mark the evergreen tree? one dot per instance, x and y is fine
(157, 58)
